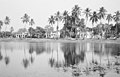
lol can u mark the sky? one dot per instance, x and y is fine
(41, 10)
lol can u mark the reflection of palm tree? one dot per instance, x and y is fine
(31, 51)
(108, 58)
(92, 54)
(51, 60)
(1, 57)
(57, 65)
(7, 60)
(25, 60)
(87, 68)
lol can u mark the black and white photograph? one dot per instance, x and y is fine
(59, 38)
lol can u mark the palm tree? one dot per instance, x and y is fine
(25, 19)
(102, 13)
(87, 14)
(58, 18)
(7, 21)
(31, 22)
(65, 16)
(94, 18)
(1, 24)
(109, 18)
(11, 29)
(51, 20)
(116, 18)
(76, 12)
(65, 19)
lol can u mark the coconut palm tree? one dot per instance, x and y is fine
(116, 18)
(102, 13)
(31, 23)
(1, 24)
(76, 12)
(65, 20)
(25, 19)
(109, 18)
(51, 20)
(94, 18)
(87, 14)
(11, 29)
(65, 16)
(58, 18)
(7, 22)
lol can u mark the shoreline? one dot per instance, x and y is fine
(59, 40)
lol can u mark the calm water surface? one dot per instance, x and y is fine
(56, 59)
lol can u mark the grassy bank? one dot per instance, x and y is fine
(59, 40)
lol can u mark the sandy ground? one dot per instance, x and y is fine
(60, 40)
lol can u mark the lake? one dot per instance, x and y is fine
(58, 59)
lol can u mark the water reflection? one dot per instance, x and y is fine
(1, 57)
(79, 59)
(70, 54)
(76, 54)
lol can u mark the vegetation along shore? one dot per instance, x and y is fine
(75, 26)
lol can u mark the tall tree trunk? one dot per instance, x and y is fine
(92, 30)
(108, 22)
(86, 21)
(5, 30)
(57, 28)
(116, 28)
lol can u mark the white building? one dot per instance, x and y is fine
(21, 35)
(55, 34)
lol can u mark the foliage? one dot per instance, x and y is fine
(36, 33)
(1, 24)
(51, 20)
(31, 22)
(102, 13)
(58, 18)
(116, 17)
(94, 18)
(109, 18)
(7, 20)
(5, 34)
(25, 18)
(11, 29)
